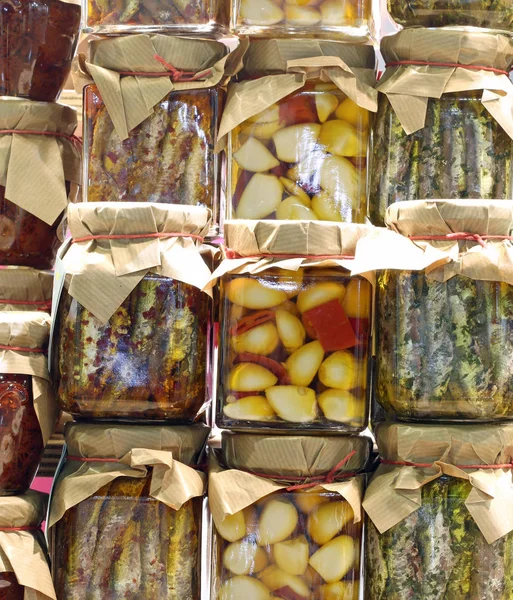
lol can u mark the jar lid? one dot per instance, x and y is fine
(24, 284)
(114, 441)
(294, 456)
(472, 48)
(451, 444)
(270, 57)
(27, 510)
(24, 329)
(308, 238)
(442, 217)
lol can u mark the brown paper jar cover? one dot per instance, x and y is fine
(299, 131)
(37, 46)
(442, 131)
(24, 567)
(23, 288)
(128, 516)
(27, 406)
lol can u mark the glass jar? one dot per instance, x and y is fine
(466, 13)
(26, 240)
(444, 349)
(21, 441)
(312, 148)
(37, 45)
(25, 289)
(149, 361)
(122, 543)
(321, 18)
(173, 16)
(462, 152)
(438, 551)
(292, 545)
(169, 158)
(294, 350)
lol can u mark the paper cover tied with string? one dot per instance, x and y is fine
(444, 309)
(39, 175)
(126, 511)
(444, 123)
(296, 126)
(438, 506)
(24, 568)
(294, 326)
(27, 399)
(287, 514)
(23, 288)
(132, 331)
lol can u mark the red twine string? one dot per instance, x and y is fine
(469, 237)
(425, 63)
(136, 236)
(24, 528)
(76, 141)
(21, 349)
(42, 303)
(172, 72)
(232, 254)
(316, 480)
(430, 465)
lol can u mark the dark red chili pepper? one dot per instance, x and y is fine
(288, 593)
(268, 363)
(250, 321)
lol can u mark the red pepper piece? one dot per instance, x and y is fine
(310, 331)
(288, 594)
(298, 109)
(332, 326)
(268, 363)
(250, 321)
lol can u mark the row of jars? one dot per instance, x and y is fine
(128, 516)
(296, 132)
(134, 342)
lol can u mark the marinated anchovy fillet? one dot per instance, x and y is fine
(461, 152)
(136, 547)
(147, 361)
(495, 14)
(154, 12)
(438, 552)
(169, 158)
(458, 333)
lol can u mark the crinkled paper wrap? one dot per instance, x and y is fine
(23, 284)
(34, 168)
(408, 87)
(20, 551)
(232, 489)
(103, 272)
(392, 249)
(172, 452)
(395, 491)
(253, 240)
(129, 99)
(277, 68)
(30, 330)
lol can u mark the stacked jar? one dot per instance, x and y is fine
(286, 486)
(39, 176)
(442, 383)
